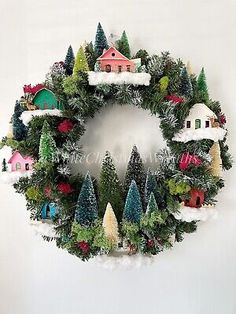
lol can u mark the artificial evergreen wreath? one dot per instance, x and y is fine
(147, 212)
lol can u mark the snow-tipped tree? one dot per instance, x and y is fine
(152, 204)
(86, 209)
(133, 205)
(100, 41)
(109, 188)
(185, 88)
(19, 129)
(135, 171)
(81, 63)
(202, 87)
(123, 45)
(110, 225)
(47, 145)
(90, 55)
(69, 61)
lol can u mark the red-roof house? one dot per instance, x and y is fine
(113, 61)
(20, 163)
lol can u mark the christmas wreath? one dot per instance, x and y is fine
(149, 210)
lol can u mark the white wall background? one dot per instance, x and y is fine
(199, 274)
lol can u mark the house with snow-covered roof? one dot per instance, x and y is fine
(201, 123)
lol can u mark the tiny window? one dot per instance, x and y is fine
(128, 68)
(119, 68)
(188, 124)
(207, 124)
(18, 166)
(113, 54)
(27, 167)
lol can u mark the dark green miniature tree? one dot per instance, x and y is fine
(143, 55)
(69, 61)
(86, 209)
(133, 205)
(47, 145)
(150, 186)
(185, 88)
(135, 171)
(202, 87)
(4, 165)
(19, 129)
(109, 188)
(90, 55)
(123, 45)
(100, 41)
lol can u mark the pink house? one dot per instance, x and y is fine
(113, 61)
(20, 163)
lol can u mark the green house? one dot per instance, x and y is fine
(46, 99)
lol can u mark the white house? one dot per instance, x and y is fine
(200, 124)
(200, 116)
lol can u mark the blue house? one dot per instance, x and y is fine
(48, 211)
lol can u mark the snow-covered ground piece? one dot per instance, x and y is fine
(96, 78)
(13, 177)
(189, 214)
(27, 116)
(121, 260)
(43, 228)
(186, 135)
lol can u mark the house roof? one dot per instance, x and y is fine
(15, 154)
(41, 90)
(119, 56)
(200, 110)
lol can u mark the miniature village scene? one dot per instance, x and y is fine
(50, 118)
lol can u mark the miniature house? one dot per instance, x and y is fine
(46, 99)
(200, 117)
(113, 61)
(196, 198)
(48, 211)
(20, 163)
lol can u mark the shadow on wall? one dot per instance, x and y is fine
(117, 129)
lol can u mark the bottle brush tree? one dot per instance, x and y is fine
(133, 205)
(185, 88)
(100, 41)
(69, 61)
(4, 165)
(123, 45)
(19, 129)
(202, 87)
(135, 171)
(81, 64)
(47, 145)
(110, 226)
(86, 209)
(109, 188)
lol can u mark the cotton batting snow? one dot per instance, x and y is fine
(215, 134)
(123, 261)
(27, 116)
(43, 229)
(96, 78)
(13, 177)
(189, 214)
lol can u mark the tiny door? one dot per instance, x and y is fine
(26, 167)
(197, 124)
(119, 68)
(128, 68)
(198, 201)
(48, 214)
(108, 68)
(18, 166)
